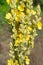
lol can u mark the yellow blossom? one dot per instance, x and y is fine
(27, 60)
(16, 43)
(8, 1)
(12, 11)
(39, 25)
(8, 16)
(22, 14)
(17, 18)
(20, 35)
(10, 62)
(27, 37)
(16, 62)
(21, 39)
(27, 11)
(33, 12)
(30, 28)
(16, 1)
(16, 12)
(21, 7)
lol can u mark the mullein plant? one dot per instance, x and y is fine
(25, 22)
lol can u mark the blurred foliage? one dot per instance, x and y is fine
(4, 8)
(2, 2)
(38, 2)
(41, 1)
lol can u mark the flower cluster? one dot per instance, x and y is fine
(24, 21)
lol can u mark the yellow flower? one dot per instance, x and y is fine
(16, 1)
(20, 35)
(33, 12)
(27, 60)
(27, 11)
(17, 18)
(21, 39)
(22, 14)
(27, 37)
(16, 62)
(16, 43)
(29, 28)
(8, 16)
(10, 62)
(21, 7)
(16, 12)
(8, 1)
(39, 25)
(12, 11)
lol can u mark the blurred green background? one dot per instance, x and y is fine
(4, 8)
